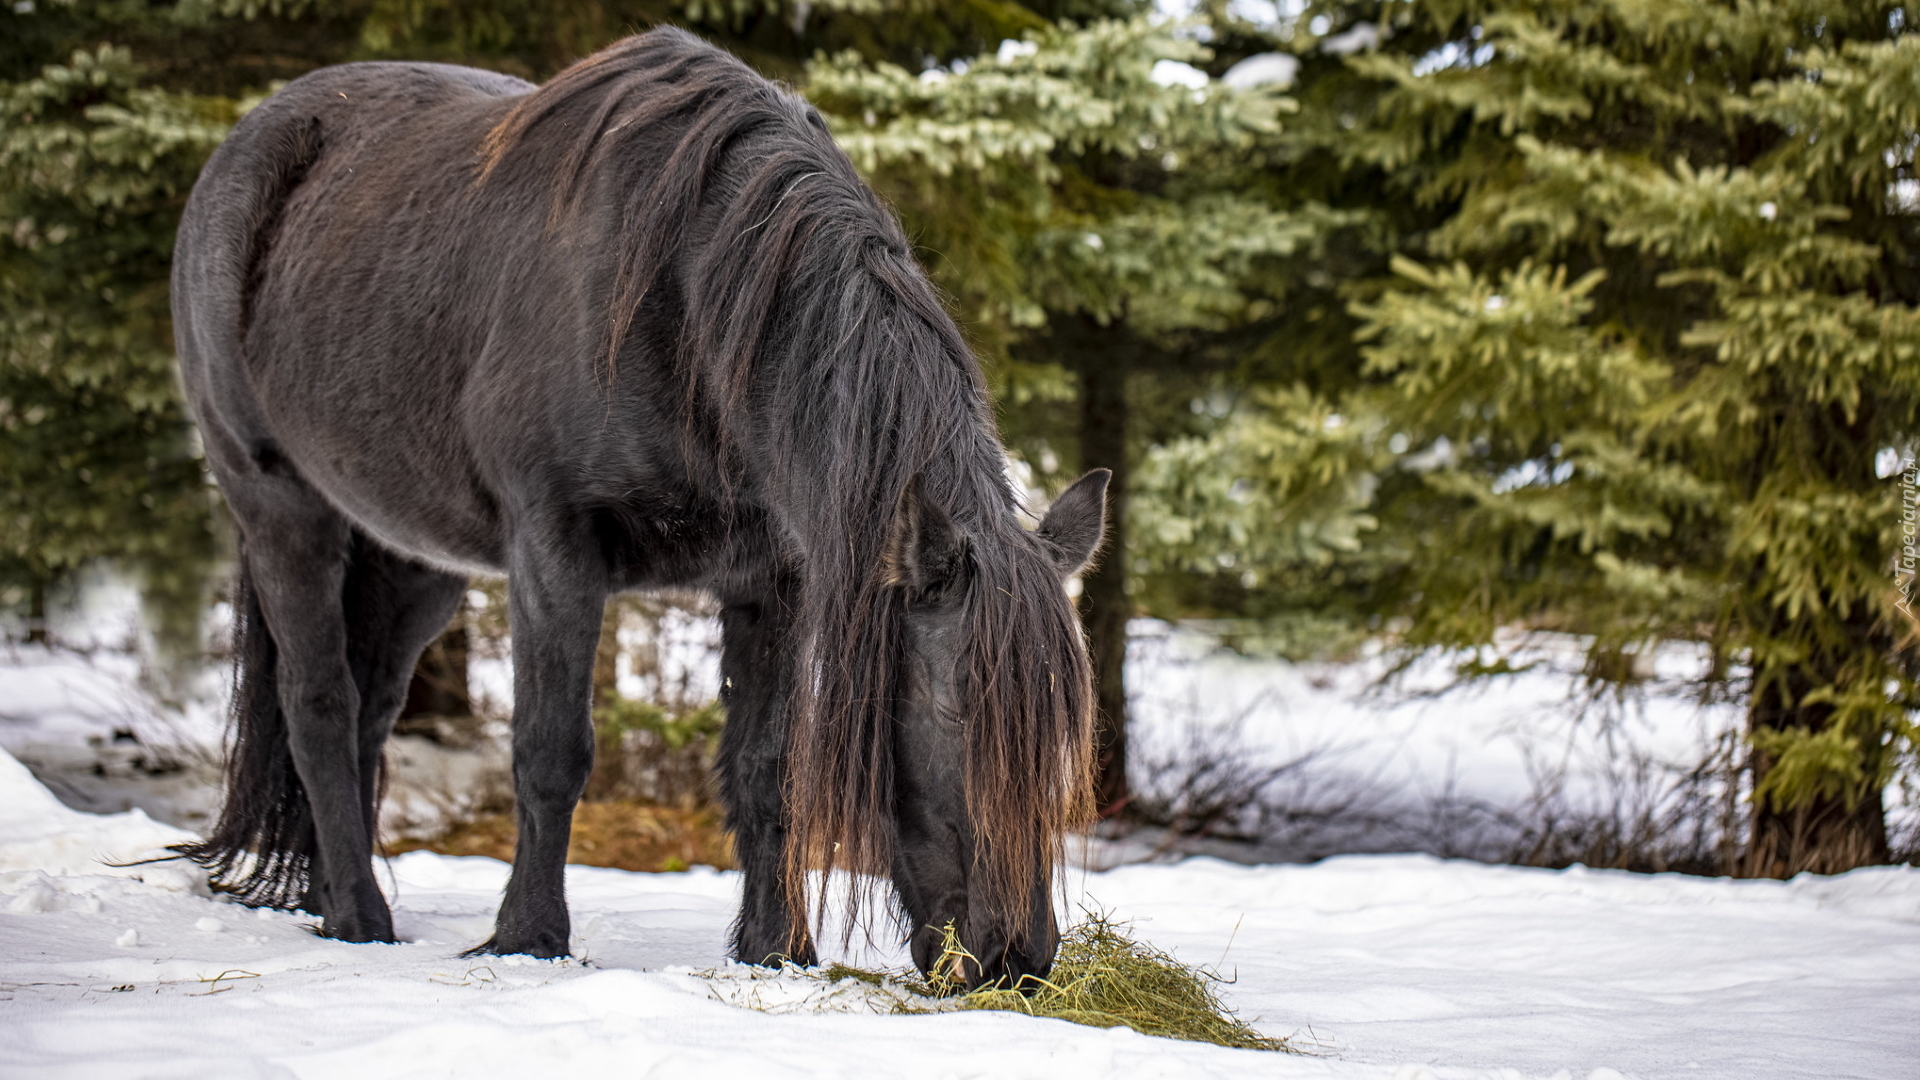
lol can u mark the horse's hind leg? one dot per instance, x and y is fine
(756, 664)
(394, 609)
(299, 552)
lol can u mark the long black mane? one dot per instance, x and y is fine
(822, 370)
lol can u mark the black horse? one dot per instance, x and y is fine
(643, 326)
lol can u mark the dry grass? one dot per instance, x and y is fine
(622, 834)
(1101, 977)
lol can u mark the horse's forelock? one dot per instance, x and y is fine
(1029, 688)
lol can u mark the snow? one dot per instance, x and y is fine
(1360, 37)
(85, 718)
(87, 726)
(40, 836)
(1263, 69)
(1178, 73)
(1390, 965)
(1385, 966)
(1420, 764)
(1415, 764)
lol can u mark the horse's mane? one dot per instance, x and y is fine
(820, 356)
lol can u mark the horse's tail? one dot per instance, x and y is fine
(264, 845)
(229, 226)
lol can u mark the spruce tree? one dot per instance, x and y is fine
(98, 461)
(1634, 356)
(107, 111)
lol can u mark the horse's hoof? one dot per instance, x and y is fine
(542, 949)
(802, 957)
(357, 936)
(360, 930)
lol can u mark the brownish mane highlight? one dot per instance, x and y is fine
(1030, 759)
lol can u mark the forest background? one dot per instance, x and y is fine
(1416, 322)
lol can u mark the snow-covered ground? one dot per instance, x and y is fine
(1400, 967)
(85, 717)
(1403, 966)
(1495, 739)
(1355, 762)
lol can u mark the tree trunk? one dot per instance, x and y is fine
(1103, 597)
(37, 612)
(1825, 835)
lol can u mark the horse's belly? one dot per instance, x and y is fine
(377, 431)
(453, 533)
(412, 496)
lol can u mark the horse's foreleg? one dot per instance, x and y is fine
(756, 668)
(554, 608)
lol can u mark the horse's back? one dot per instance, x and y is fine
(314, 295)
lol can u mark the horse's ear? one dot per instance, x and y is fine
(1077, 522)
(924, 552)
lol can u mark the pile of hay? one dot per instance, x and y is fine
(1101, 977)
